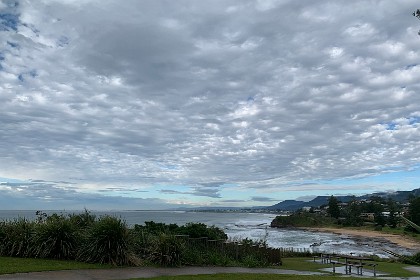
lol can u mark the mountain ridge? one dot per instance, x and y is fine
(293, 205)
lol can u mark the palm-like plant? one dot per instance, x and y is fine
(16, 237)
(166, 250)
(107, 241)
(56, 238)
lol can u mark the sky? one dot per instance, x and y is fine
(155, 104)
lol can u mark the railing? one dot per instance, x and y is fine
(238, 250)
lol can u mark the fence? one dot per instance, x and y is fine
(239, 251)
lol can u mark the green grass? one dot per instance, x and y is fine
(306, 264)
(18, 265)
(299, 264)
(242, 276)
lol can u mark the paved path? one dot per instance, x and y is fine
(148, 272)
(144, 272)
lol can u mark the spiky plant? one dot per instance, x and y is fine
(16, 237)
(107, 241)
(166, 249)
(56, 238)
(83, 220)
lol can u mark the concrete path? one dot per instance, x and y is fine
(144, 272)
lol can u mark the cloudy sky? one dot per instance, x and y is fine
(161, 104)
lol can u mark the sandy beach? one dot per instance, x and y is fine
(403, 241)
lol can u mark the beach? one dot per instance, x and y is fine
(402, 241)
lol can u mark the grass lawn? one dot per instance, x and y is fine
(240, 276)
(306, 264)
(300, 264)
(16, 265)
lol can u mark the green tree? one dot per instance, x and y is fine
(376, 207)
(333, 208)
(393, 213)
(414, 210)
(352, 214)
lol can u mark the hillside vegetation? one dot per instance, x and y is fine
(303, 219)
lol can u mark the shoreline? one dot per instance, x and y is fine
(402, 241)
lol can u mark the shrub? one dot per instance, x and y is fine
(107, 241)
(253, 261)
(416, 258)
(197, 230)
(166, 250)
(156, 228)
(83, 220)
(56, 238)
(16, 238)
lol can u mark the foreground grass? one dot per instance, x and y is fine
(306, 264)
(242, 276)
(18, 265)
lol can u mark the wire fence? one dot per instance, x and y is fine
(239, 251)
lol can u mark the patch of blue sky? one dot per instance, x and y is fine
(168, 166)
(397, 179)
(9, 21)
(10, 180)
(391, 126)
(414, 120)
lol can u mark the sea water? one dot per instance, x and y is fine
(255, 226)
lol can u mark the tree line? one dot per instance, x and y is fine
(384, 211)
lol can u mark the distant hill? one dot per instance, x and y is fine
(293, 205)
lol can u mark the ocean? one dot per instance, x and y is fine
(255, 226)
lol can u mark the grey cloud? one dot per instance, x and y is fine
(36, 196)
(263, 199)
(232, 201)
(172, 192)
(153, 93)
(205, 189)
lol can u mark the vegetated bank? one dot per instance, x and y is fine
(108, 240)
(375, 214)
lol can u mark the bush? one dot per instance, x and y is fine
(16, 238)
(416, 258)
(253, 261)
(83, 220)
(166, 250)
(56, 238)
(156, 228)
(107, 241)
(197, 230)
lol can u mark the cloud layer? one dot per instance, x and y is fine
(189, 100)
